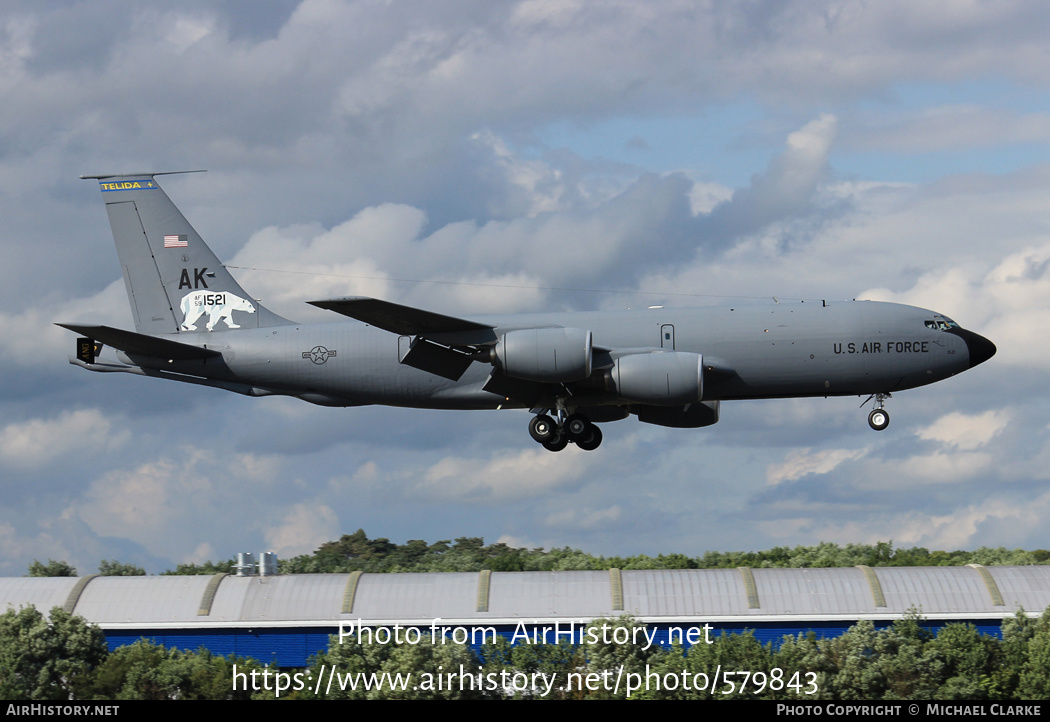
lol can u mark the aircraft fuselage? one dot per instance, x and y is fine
(750, 352)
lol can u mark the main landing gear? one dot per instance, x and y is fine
(879, 418)
(555, 434)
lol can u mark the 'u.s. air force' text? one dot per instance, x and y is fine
(882, 347)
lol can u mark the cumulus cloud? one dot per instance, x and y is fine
(529, 473)
(155, 503)
(805, 461)
(137, 502)
(785, 190)
(495, 266)
(960, 529)
(967, 431)
(31, 332)
(34, 443)
(303, 529)
(1003, 298)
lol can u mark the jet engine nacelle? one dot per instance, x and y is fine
(666, 378)
(549, 355)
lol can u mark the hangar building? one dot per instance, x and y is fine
(285, 619)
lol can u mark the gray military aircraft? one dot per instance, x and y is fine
(668, 366)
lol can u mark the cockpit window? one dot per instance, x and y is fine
(941, 324)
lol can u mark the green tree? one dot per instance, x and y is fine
(968, 662)
(52, 569)
(47, 658)
(372, 670)
(805, 669)
(208, 567)
(1011, 654)
(554, 661)
(728, 653)
(616, 647)
(1034, 682)
(114, 568)
(145, 670)
(894, 663)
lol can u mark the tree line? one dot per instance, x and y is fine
(357, 552)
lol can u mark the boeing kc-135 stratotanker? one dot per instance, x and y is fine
(668, 366)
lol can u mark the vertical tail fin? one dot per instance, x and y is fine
(175, 282)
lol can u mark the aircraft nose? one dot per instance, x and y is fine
(980, 348)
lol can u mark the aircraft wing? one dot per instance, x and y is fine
(409, 321)
(139, 344)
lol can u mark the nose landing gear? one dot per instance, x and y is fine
(555, 435)
(879, 418)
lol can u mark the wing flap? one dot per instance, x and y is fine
(436, 359)
(138, 344)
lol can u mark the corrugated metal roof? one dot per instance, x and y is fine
(814, 591)
(145, 599)
(416, 596)
(40, 592)
(949, 590)
(544, 595)
(1023, 586)
(684, 592)
(302, 597)
(650, 595)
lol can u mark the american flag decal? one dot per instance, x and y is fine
(175, 242)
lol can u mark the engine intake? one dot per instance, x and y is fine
(666, 378)
(550, 355)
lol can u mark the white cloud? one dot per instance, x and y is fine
(962, 528)
(18, 549)
(787, 189)
(36, 442)
(139, 503)
(951, 127)
(187, 31)
(541, 187)
(1004, 298)
(157, 504)
(526, 474)
(806, 461)
(303, 529)
(31, 334)
(966, 431)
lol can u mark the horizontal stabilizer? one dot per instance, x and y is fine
(138, 344)
(402, 320)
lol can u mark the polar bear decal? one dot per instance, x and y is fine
(218, 305)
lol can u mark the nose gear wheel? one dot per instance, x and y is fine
(879, 418)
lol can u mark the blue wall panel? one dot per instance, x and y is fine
(293, 647)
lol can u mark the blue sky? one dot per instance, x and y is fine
(725, 143)
(703, 151)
